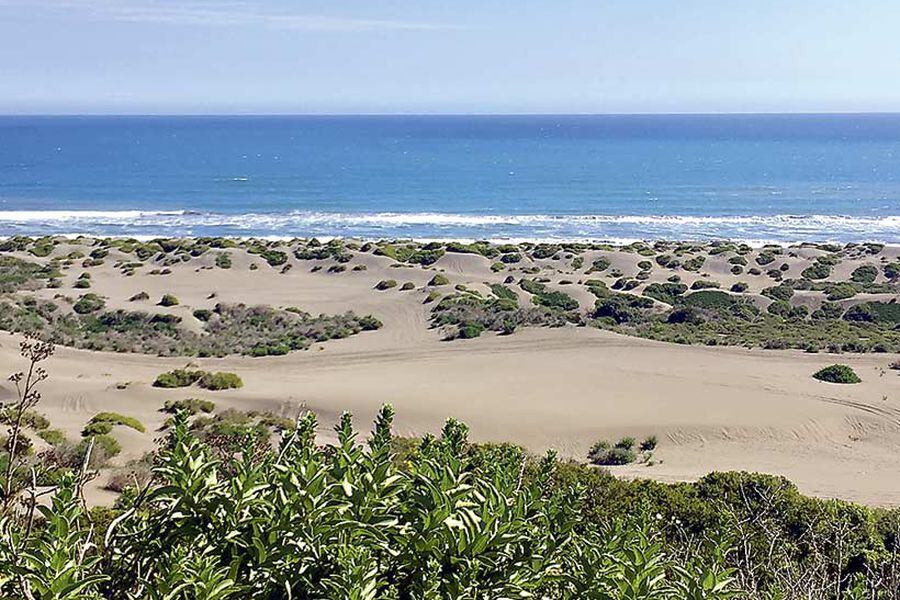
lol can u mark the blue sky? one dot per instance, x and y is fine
(464, 56)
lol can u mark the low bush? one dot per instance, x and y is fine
(54, 437)
(177, 378)
(837, 374)
(864, 274)
(88, 303)
(622, 453)
(439, 280)
(220, 381)
(168, 300)
(665, 292)
(118, 419)
(223, 260)
(385, 284)
(191, 406)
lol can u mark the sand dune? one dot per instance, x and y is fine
(712, 408)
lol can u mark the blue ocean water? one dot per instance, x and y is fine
(780, 178)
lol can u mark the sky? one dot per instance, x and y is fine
(439, 56)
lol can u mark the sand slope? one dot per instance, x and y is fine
(712, 409)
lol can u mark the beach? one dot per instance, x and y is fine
(712, 408)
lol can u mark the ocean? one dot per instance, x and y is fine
(758, 178)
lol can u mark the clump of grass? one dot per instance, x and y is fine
(386, 284)
(439, 280)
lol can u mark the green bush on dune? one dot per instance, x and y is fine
(837, 374)
(186, 377)
(220, 381)
(168, 300)
(178, 378)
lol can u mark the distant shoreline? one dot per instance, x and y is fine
(595, 243)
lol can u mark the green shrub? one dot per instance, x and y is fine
(203, 314)
(837, 374)
(274, 257)
(191, 406)
(223, 260)
(841, 291)
(220, 381)
(96, 428)
(118, 419)
(649, 444)
(828, 310)
(177, 378)
(168, 300)
(385, 284)
(779, 292)
(887, 313)
(139, 296)
(739, 287)
(470, 330)
(409, 285)
(439, 280)
(665, 292)
(106, 444)
(694, 264)
(42, 250)
(602, 454)
(599, 265)
(892, 270)
(821, 269)
(864, 274)
(54, 437)
(712, 299)
(504, 293)
(88, 303)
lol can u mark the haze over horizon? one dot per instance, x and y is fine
(407, 57)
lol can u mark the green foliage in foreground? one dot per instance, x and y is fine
(347, 522)
(225, 514)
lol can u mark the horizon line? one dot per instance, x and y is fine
(451, 114)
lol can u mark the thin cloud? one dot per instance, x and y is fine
(219, 14)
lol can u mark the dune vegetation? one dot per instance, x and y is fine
(813, 297)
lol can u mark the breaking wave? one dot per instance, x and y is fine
(776, 228)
